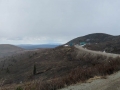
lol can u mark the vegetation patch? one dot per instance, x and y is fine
(65, 66)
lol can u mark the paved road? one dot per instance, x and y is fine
(111, 83)
(97, 52)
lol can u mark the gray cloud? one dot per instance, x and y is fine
(44, 21)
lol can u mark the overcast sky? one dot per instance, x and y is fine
(56, 21)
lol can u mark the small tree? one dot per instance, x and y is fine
(7, 70)
(34, 69)
(19, 88)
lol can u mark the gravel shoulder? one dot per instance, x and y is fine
(111, 83)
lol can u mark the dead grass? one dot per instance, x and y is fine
(84, 74)
(89, 68)
(77, 75)
(94, 78)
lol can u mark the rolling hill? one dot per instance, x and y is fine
(55, 68)
(92, 38)
(99, 42)
(51, 69)
(7, 50)
(50, 63)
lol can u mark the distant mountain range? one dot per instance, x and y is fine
(31, 47)
(7, 49)
(55, 62)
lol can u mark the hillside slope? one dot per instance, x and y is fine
(50, 63)
(92, 38)
(7, 50)
(98, 83)
(110, 83)
(55, 68)
(99, 42)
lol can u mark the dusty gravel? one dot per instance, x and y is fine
(111, 83)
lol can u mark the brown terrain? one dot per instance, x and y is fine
(99, 42)
(98, 83)
(56, 68)
(52, 69)
(111, 82)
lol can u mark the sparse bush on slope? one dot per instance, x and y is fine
(82, 74)
(34, 70)
(88, 66)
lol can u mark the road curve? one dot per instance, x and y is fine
(97, 52)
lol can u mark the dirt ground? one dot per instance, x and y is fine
(111, 83)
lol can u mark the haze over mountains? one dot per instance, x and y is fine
(95, 41)
(8, 50)
(32, 58)
(52, 63)
(31, 47)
